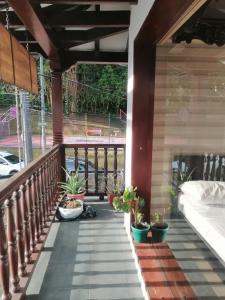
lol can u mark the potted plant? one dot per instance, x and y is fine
(132, 203)
(114, 187)
(73, 192)
(159, 228)
(73, 188)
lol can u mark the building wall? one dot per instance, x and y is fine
(189, 109)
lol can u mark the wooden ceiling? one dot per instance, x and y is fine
(53, 28)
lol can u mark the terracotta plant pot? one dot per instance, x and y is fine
(110, 198)
(76, 196)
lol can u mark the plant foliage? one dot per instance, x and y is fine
(73, 185)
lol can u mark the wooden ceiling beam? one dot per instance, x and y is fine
(67, 19)
(70, 38)
(30, 19)
(91, 19)
(72, 57)
(91, 2)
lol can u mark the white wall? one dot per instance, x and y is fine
(138, 14)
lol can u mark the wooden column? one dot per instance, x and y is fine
(142, 126)
(57, 107)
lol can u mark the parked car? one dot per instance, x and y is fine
(9, 163)
(70, 166)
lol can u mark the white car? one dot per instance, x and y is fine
(9, 163)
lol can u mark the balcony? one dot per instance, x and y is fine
(28, 202)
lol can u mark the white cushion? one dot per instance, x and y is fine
(207, 191)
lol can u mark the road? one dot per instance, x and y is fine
(11, 141)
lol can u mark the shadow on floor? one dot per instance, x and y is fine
(87, 259)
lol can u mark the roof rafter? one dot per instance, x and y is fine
(72, 57)
(71, 38)
(92, 2)
(67, 19)
(30, 19)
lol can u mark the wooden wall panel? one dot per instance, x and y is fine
(33, 72)
(188, 112)
(17, 66)
(6, 60)
(21, 65)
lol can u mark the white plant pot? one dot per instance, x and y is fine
(70, 213)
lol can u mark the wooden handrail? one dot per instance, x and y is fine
(94, 146)
(27, 200)
(19, 178)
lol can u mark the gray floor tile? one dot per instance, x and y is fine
(90, 259)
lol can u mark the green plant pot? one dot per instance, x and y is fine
(140, 234)
(159, 234)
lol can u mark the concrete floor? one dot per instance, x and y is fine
(87, 259)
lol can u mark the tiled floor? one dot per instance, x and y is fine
(88, 259)
(183, 268)
(202, 269)
(163, 277)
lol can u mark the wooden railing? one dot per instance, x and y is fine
(97, 162)
(26, 205)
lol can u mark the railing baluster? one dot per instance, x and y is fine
(4, 264)
(26, 222)
(106, 167)
(20, 234)
(86, 167)
(36, 208)
(96, 170)
(31, 213)
(42, 195)
(55, 179)
(12, 243)
(51, 183)
(115, 166)
(39, 199)
(46, 189)
(76, 157)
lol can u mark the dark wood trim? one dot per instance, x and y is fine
(30, 19)
(81, 1)
(142, 127)
(67, 18)
(162, 16)
(72, 57)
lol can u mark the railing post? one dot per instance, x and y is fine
(11, 233)
(96, 169)
(31, 213)
(4, 264)
(26, 221)
(36, 207)
(76, 157)
(115, 166)
(46, 190)
(86, 167)
(39, 199)
(20, 235)
(63, 163)
(42, 195)
(106, 167)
